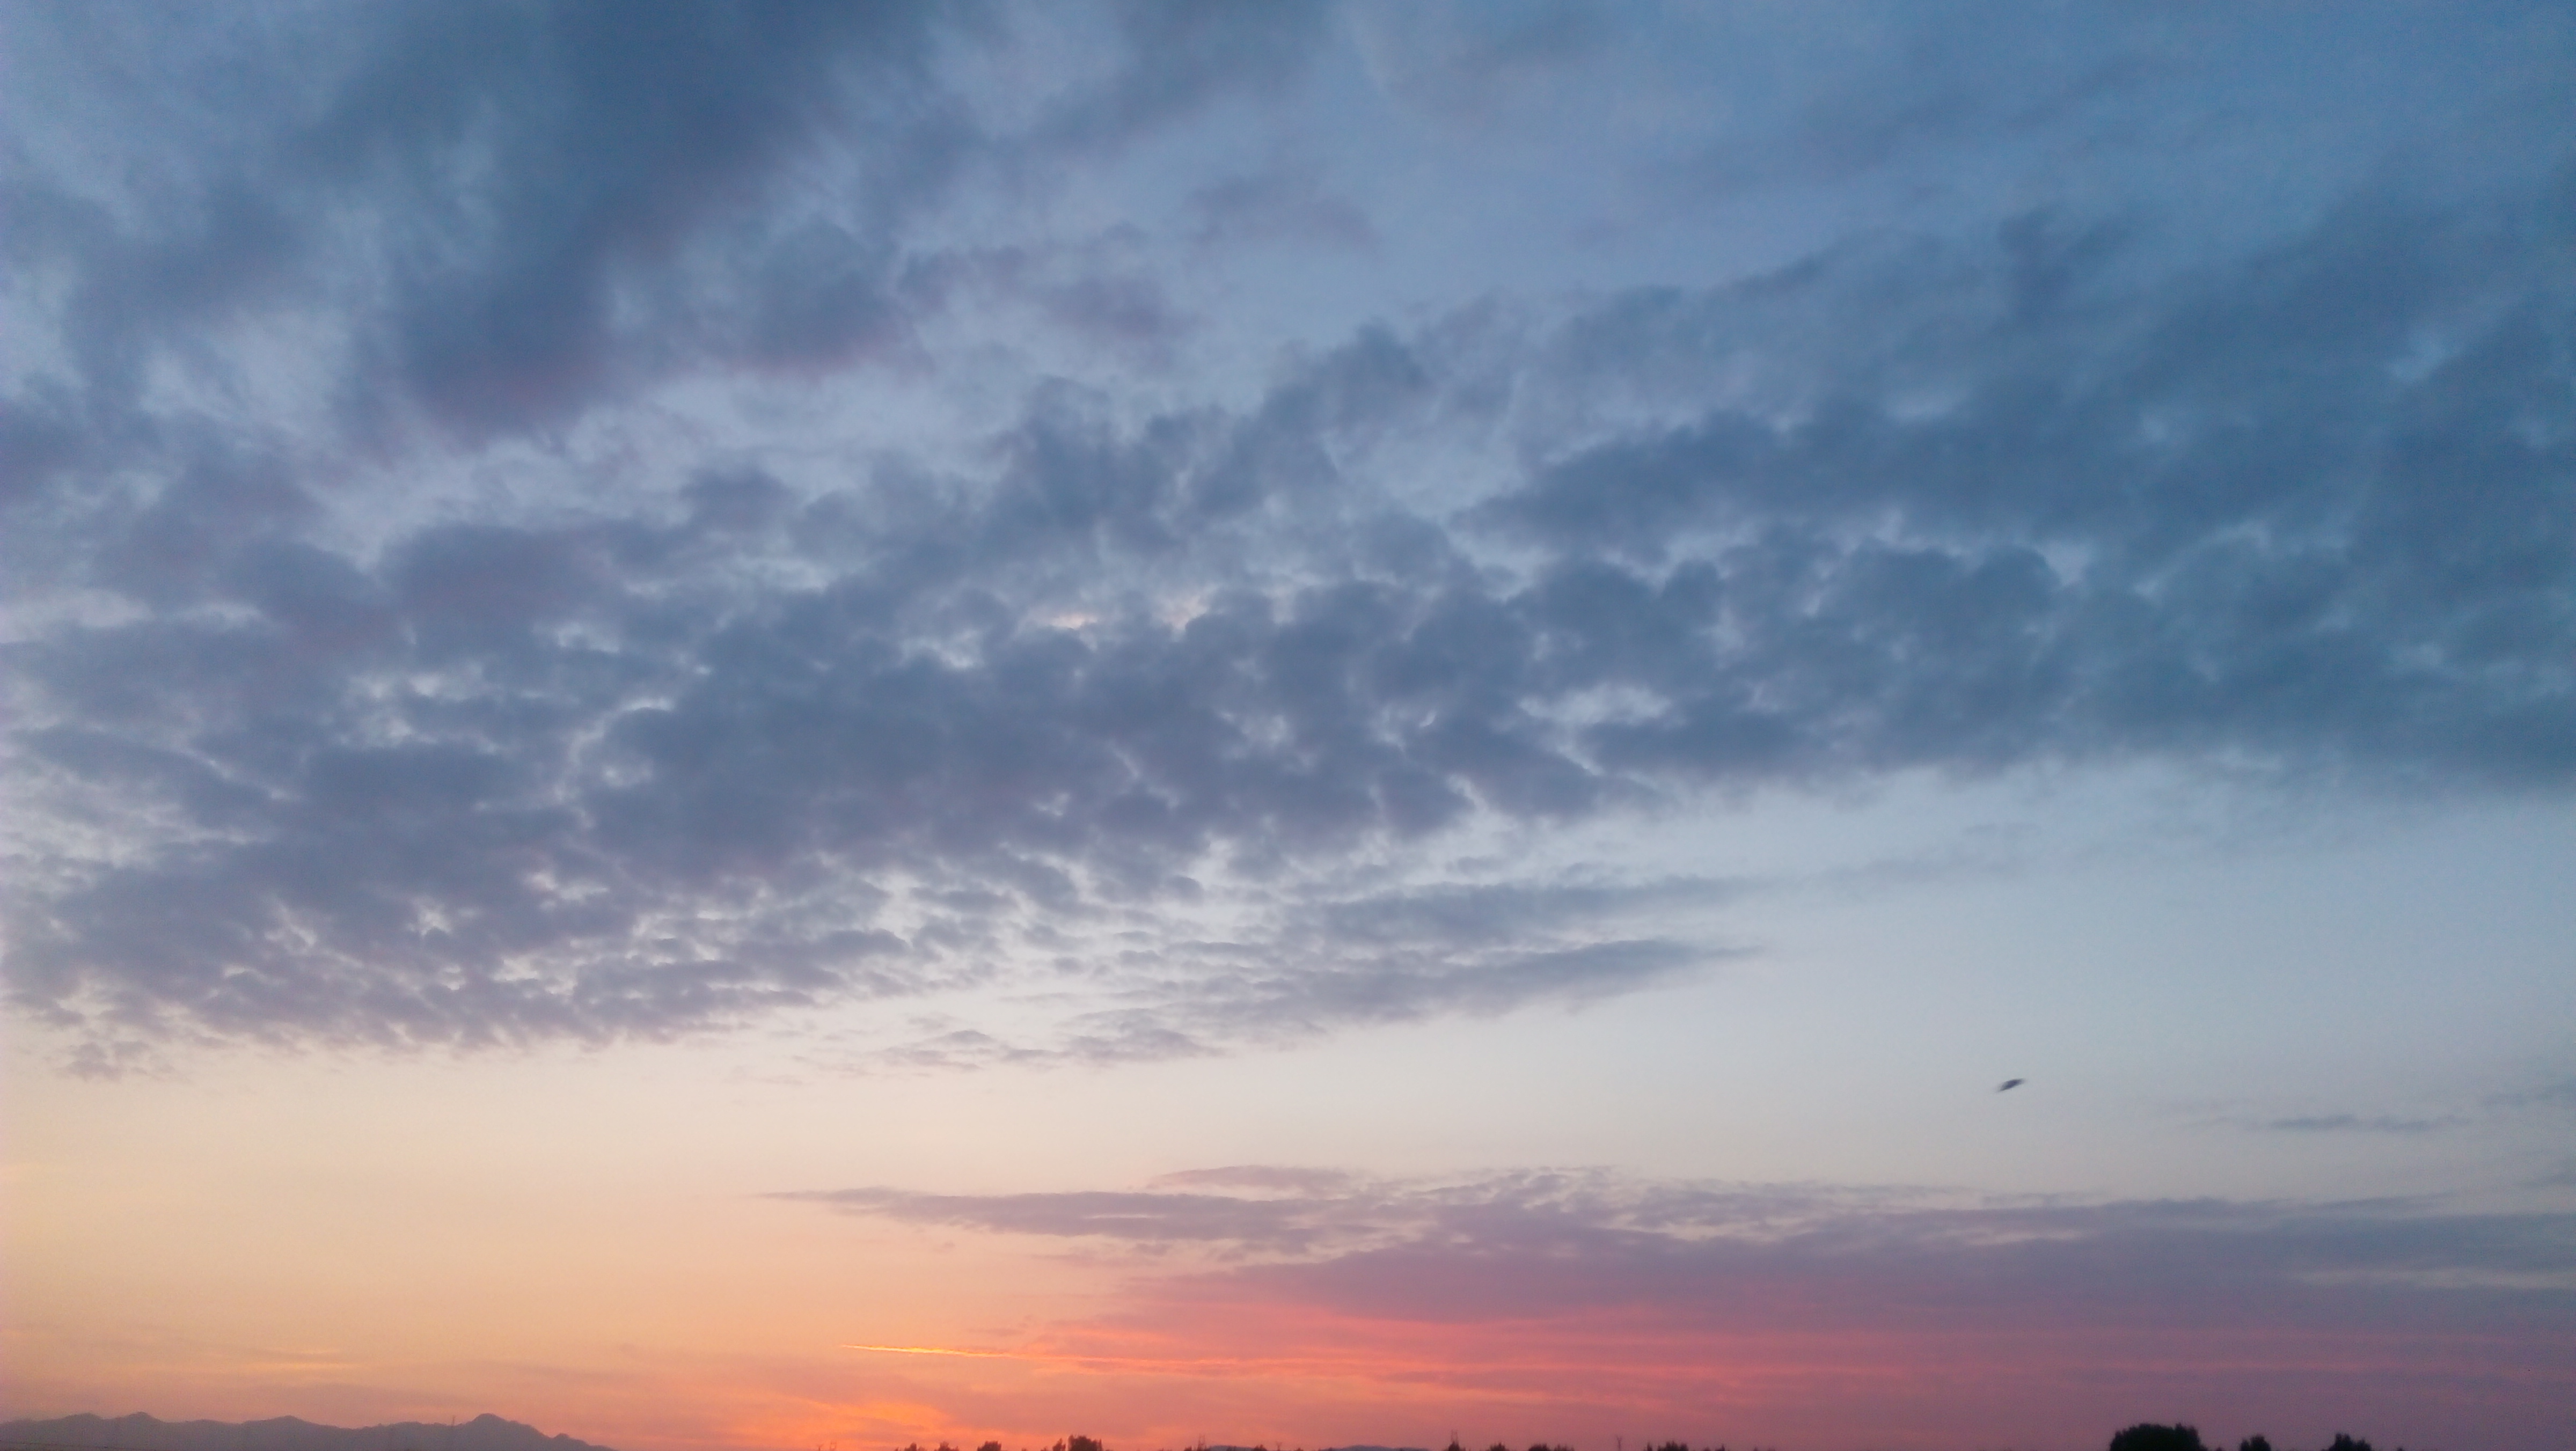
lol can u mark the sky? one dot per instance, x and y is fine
(779, 726)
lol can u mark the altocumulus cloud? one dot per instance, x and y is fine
(368, 686)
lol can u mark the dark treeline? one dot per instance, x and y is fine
(2147, 1436)
(2144, 1436)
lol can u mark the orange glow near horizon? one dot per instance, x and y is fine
(164, 1258)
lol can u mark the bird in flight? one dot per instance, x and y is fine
(2010, 1083)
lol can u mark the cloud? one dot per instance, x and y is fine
(2228, 511)
(1467, 61)
(496, 782)
(1319, 963)
(2345, 1123)
(1285, 204)
(1174, 707)
(1178, 60)
(1902, 91)
(495, 217)
(592, 145)
(1270, 1177)
(1595, 1288)
(1581, 1239)
(2558, 1095)
(1234, 1224)
(485, 194)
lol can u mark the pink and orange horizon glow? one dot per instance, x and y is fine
(1315, 723)
(595, 1287)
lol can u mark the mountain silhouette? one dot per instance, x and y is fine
(140, 1432)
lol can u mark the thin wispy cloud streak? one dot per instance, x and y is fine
(1294, 1217)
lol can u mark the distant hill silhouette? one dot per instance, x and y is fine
(140, 1432)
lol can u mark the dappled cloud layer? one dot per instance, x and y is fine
(443, 609)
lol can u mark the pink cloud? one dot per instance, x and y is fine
(1575, 1308)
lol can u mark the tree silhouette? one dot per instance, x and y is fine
(2145, 1436)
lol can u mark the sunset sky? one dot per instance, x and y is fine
(779, 726)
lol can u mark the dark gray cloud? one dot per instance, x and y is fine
(2383, 587)
(596, 141)
(479, 191)
(457, 790)
(1180, 59)
(1905, 90)
(737, 734)
(1467, 61)
(1283, 203)
(502, 782)
(2308, 505)
(518, 211)
(1932, 109)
